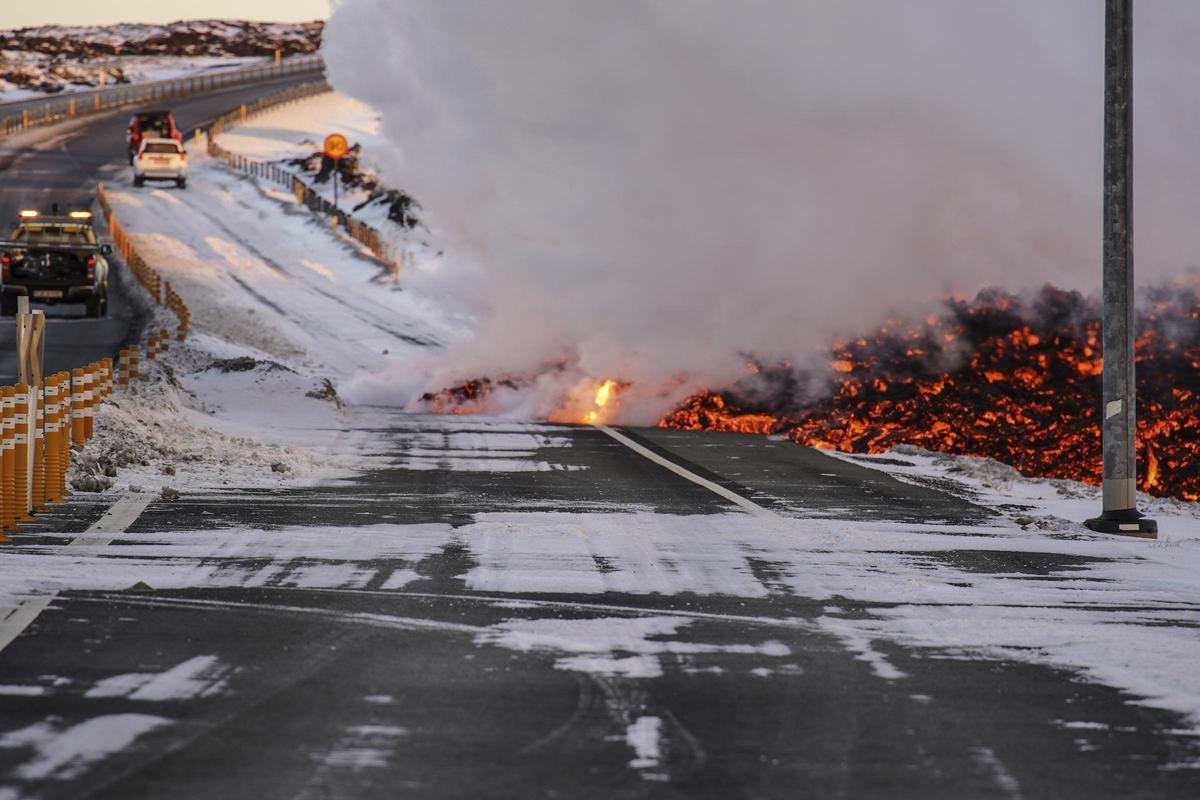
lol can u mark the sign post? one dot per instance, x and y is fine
(336, 148)
(1119, 409)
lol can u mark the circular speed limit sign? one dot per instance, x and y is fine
(336, 146)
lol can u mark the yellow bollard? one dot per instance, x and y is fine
(89, 401)
(8, 458)
(21, 453)
(78, 413)
(152, 348)
(123, 374)
(39, 450)
(164, 340)
(51, 455)
(133, 362)
(65, 420)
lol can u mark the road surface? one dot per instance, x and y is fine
(384, 664)
(62, 165)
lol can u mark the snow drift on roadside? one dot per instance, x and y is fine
(650, 190)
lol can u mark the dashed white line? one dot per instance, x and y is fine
(733, 497)
(118, 518)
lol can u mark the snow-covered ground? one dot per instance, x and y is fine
(298, 130)
(284, 313)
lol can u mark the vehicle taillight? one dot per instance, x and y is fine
(141, 155)
(5, 267)
(183, 155)
(91, 265)
(92, 261)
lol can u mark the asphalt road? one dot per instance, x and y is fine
(61, 164)
(388, 685)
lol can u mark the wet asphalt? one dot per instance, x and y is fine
(363, 691)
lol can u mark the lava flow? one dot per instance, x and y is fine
(1013, 379)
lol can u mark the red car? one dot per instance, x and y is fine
(150, 125)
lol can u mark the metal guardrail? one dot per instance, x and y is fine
(80, 104)
(306, 195)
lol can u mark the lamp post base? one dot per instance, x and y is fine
(1128, 522)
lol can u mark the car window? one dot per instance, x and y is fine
(53, 234)
(162, 147)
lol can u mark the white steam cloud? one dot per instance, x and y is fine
(650, 189)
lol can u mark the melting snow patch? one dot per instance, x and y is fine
(201, 676)
(644, 736)
(617, 646)
(859, 643)
(362, 747)
(64, 754)
(10, 690)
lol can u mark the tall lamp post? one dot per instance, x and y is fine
(1119, 514)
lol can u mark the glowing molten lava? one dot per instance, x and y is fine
(1013, 379)
(590, 403)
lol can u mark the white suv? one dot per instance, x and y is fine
(160, 160)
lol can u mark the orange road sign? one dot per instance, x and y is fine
(336, 146)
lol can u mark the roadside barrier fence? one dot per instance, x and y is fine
(306, 195)
(150, 278)
(43, 417)
(77, 104)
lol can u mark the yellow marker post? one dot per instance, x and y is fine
(78, 406)
(8, 457)
(21, 453)
(52, 449)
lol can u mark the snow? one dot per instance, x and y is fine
(280, 311)
(200, 676)
(594, 644)
(644, 737)
(298, 130)
(65, 753)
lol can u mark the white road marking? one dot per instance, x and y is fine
(746, 505)
(118, 518)
(17, 619)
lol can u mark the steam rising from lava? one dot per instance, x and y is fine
(647, 190)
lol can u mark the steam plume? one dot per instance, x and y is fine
(651, 189)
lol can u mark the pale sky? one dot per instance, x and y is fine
(21, 14)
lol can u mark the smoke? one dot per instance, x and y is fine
(649, 190)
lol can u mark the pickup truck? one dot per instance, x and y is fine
(54, 260)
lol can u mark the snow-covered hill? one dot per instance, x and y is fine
(52, 59)
(202, 37)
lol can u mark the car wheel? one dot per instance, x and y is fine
(8, 305)
(181, 183)
(138, 180)
(95, 306)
